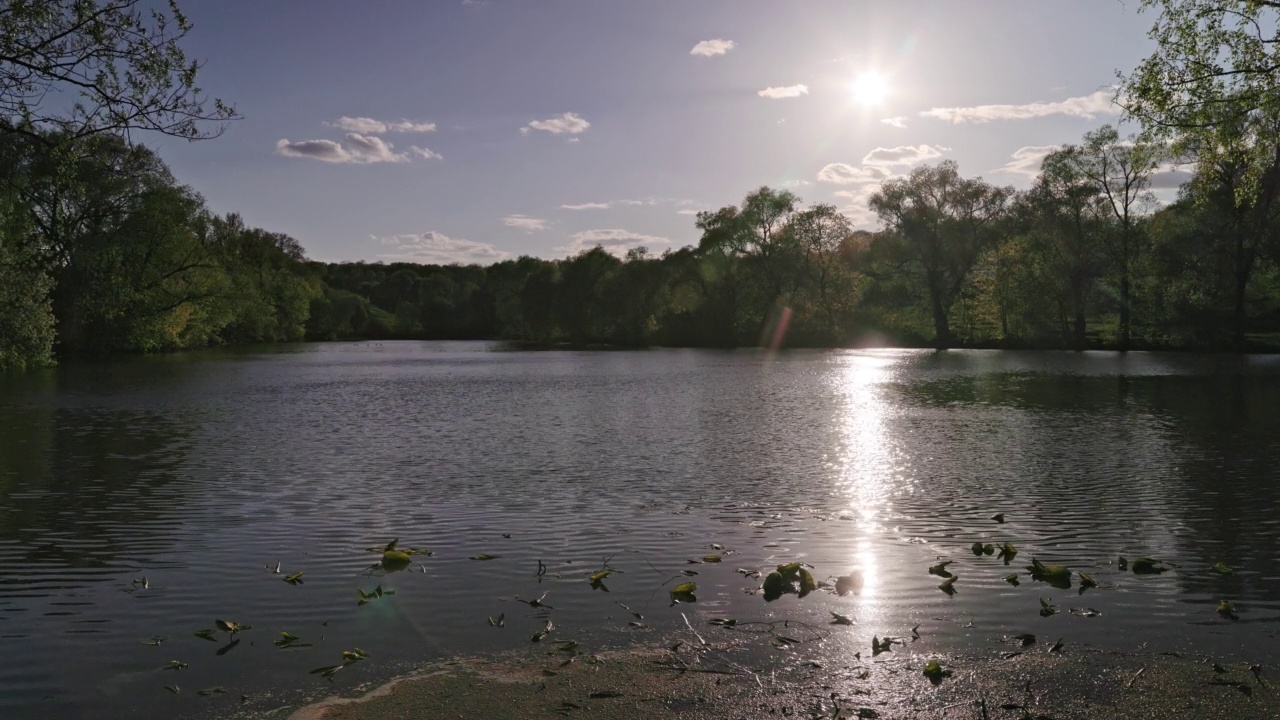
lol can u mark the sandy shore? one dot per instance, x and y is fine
(710, 681)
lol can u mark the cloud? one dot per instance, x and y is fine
(844, 174)
(424, 153)
(711, 48)
(856, 206)
(1027, 160)
(369, 126)
(614, 241)
(903, 155)
(687, 211)
(795, 183)
(569, 123)
(435, 248)
(1086, 106)
(898, 122)
(525, 222)
(790, 91)
(354, 149)
(587, 206)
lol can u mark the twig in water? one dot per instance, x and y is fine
(1135, 677)
(695, 632)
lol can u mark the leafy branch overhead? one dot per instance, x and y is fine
(119, 63)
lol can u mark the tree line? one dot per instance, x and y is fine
(103, 250)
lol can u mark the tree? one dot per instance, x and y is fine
(947, 222)
(125, 67)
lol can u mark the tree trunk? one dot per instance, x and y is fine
(1122, 343)
(941, 330)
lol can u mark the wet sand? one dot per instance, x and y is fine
(740, 681)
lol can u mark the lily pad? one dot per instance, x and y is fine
(1056, 575)
(941, 569)
(1007, 553)
(395, 560)
(948, 586)
(934, 671)
(1222, 568)
(838, 619)
(1012, 579)
(711, 558)
(1047, 608)
(294, 579)
(1227, 610)
(683, 593)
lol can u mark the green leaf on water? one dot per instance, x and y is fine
(1056, 575)
(711, 558)
(483, 556)
(948, 586)
(1007, 553)
(212, 691)
(294, 579)
(1085, 612)
(286, 639)
(988, 549)
(773, 585)
(354, 656)
(807, 583)
(689, 573)
(838, 619)
(206, 634)
(173, 689)
(499, 621)
(1047, 609)
(1086, 582)
(977, 548)
(1221, 567)
(683, 593)
(1148, 566)
(396, 560)
(155, 641)
(723, 622)
(941, 569)
(878, 646)
(1012, 579)
(934, 671)
(230, 626)
(1227, 610)
(546, 630)
(1025, 638)
(327, 672)
(176, 665)
(597, 577)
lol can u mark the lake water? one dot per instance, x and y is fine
(200, 472)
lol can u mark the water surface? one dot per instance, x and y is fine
(200, 472)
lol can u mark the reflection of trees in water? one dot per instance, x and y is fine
(81, 482)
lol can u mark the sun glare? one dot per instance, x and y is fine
(870, 89)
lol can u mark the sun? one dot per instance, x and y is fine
(870, 88)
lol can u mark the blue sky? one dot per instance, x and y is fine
(480, 130)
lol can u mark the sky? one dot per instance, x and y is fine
(479, 130)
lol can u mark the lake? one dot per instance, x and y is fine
(200, 472)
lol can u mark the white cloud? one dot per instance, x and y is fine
(424, 153)
(435, 248)
(856, 206)
(525, 222)
(789, 91)
(354, 149)
(586, 206)
(569, 123)
(1027, 160)
(844, 174)
(1086, 106)
(614, 241)
(903, 155)
(711, 48)
(898, 122)
(795, 183)
(687, 211)
(369, 126)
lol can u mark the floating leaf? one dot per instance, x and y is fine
(483, 556)
(711, 558)
(723, 622)
(878, 646)
(1086, 582)
(395, 560)
(1085, 612)
(142, 582)
(546, 630)
(915, 633)
(941, 569)
(683, 593)
(294, 579)
(748, 573)
(838, 619)
(1047, 609)
(977, 548)
(155, 641)
(230, 626)
(689, 573)
(1012, 579)
(1221, 567)
(173, 689)
(773, 586)
(1227, 610)
(948, 586)
(212, 691)
(934, 671)
(597, 577)
(1123, 564)
(1056, 575)
(1007, 553)
(988, 549)
(327, 672)
(354, 656)
(846, 584)
(176, 665)
(1025, 638)
(1148, 566)
(998, 517)
(807, 583)
(1057, 647)
(391, 546)
(286, 638)
(499, 621)
(206, 634)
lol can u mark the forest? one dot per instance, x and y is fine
(103, 250)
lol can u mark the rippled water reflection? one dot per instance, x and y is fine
(201, 471)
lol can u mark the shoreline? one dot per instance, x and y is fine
(725, 681)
